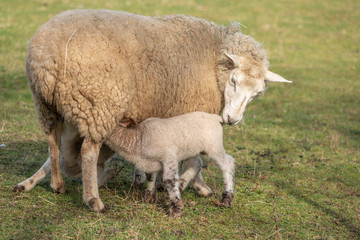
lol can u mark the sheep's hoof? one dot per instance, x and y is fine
(60, 188)
(96, 205)
(227, 199)
(19, 188)
(150, 196)
(176, 209)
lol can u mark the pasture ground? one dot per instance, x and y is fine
(297, 155)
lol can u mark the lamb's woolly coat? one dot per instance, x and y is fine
(179, 138)
(94, 67)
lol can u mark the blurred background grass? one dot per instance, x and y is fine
(297, 154)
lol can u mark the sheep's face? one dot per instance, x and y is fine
(247, 80)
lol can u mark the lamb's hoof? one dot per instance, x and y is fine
(137, 186)
(150, 196)
(176, 209)
(227, 199)
(96, 205)
(19, 188)
(204, 191)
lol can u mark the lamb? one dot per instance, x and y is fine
(92, 68)
(159, 144)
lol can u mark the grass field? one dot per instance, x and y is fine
(297, 155)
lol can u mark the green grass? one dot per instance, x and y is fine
(297, 155)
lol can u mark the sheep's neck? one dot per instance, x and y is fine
(124, 140)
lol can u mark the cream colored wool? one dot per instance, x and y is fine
(120, 64)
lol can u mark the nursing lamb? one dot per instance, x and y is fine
(159, 144)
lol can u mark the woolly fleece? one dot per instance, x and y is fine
(95, 67)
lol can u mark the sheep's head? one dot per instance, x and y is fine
(247, 80)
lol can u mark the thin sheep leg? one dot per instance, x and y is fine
(90, 153)
(226, 164)
(31, 182)
(57, 183)
(139, 178)
(150, 192)
(192, 171)
(171, 181)
(200, 186)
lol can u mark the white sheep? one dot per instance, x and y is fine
(92, 68)
(159, 144)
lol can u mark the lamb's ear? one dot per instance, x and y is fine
(235, 60)
(127, 122)
(273, 77)
(132, 123)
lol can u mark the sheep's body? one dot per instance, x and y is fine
(111, 63)
(92, 68)
(159, 144)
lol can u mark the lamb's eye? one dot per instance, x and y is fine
(233, 81)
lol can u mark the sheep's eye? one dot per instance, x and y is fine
(233, 80)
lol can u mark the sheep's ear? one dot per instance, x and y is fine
(273, 77)
(234, 27)
(235, 60)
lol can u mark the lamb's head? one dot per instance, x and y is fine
(247, 80)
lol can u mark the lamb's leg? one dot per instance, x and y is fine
(90, 153)
(171, 181)
(57, 183)
(226, 164)
(31, 182)
(139, 178)
(200, 186)
(192, 171)
(150, 192)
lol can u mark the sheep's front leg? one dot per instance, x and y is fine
(171, 181)
(90, 153)
(226, 164)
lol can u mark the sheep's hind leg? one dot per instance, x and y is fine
(192, 172)
(90, 153)
(104, 174)
(226, 164)
(57, 183)
(171, 181)
(31, 182)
